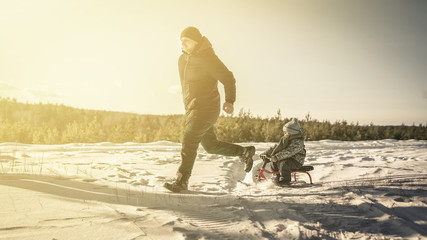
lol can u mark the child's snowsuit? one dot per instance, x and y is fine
(290, 154)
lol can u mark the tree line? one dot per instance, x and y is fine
(58, 124)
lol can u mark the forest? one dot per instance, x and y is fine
(59, 124)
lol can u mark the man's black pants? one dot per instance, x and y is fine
(199, 128)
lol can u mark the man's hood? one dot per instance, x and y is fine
(204, 45)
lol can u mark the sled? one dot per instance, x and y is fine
(303, 169)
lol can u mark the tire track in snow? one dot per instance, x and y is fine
(218, 220)
(402, 216)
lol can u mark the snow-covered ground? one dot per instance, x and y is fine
(363, 190)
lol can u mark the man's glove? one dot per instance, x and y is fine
(264, 158)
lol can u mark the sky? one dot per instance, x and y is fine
(360, 61)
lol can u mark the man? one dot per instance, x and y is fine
(199, 71)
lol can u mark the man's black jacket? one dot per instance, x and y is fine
(199, 73)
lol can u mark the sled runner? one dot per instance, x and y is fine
(303, 169)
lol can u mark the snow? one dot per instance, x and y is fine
(363, 190)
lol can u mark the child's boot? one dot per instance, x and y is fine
(280, 181)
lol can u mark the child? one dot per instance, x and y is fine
(288, 154)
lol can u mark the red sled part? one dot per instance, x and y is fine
(303, 169)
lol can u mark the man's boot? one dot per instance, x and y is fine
(180, 184)
(246, 157)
